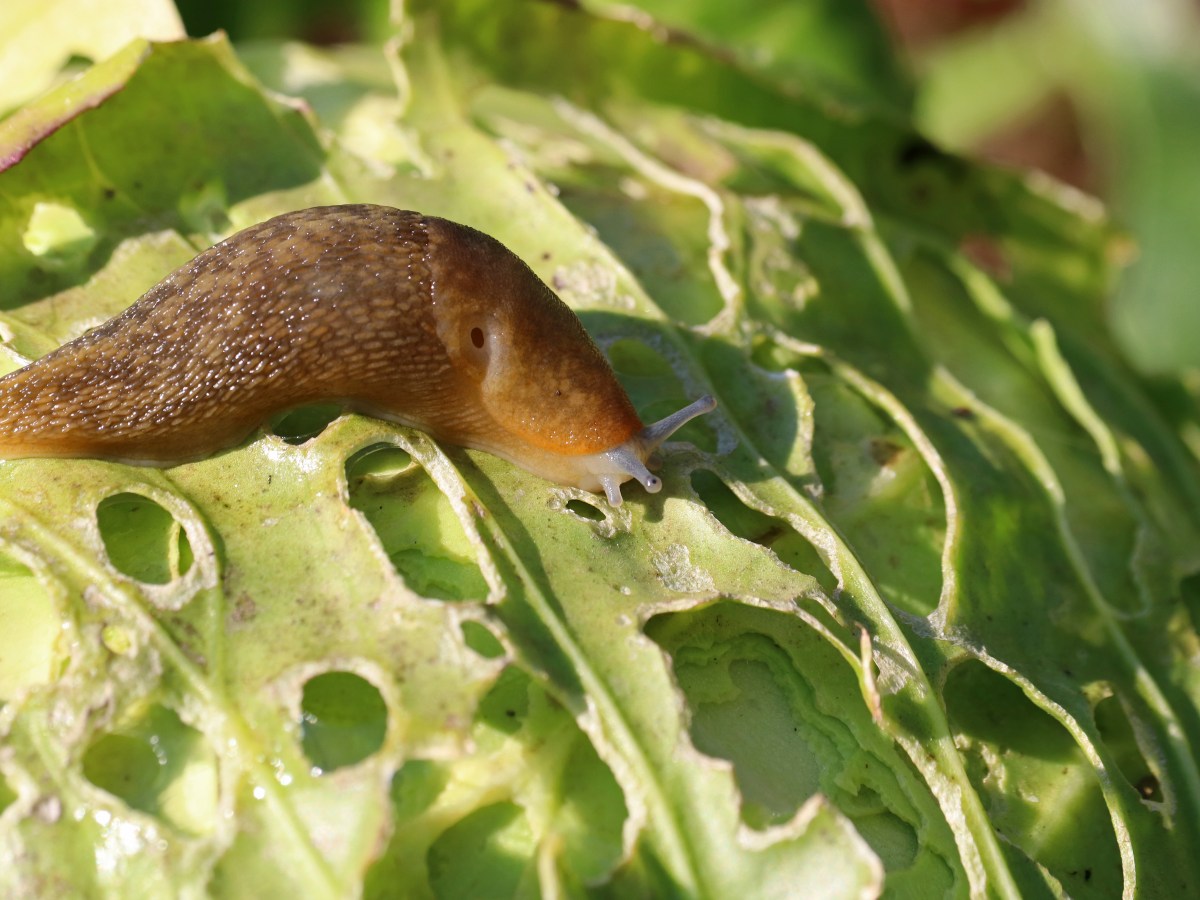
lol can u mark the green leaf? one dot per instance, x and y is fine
(1131, 76)
(44, 42)
(912, 615)
(822, 44)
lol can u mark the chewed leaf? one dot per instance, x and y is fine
(910, 611)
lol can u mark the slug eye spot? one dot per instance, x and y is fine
(343, 720)
(474, 349)
(142, 539)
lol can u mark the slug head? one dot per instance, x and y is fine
(609, 469)
(541, 393)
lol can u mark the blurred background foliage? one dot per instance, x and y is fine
(321, 22)
(1101, 94)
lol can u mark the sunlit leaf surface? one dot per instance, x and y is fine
(912, 614)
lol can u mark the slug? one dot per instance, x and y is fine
(395, 314)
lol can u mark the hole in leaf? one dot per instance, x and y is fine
(591, 805)
(7, 794)
(1119, 736)
(305, 422)
(142, 539)
(592, 812)
(1058, 817)
(746, 705)
(585, 510)
(77, 62)
(477, 338)
(124, 765)
(788, 544)
(158, 765)
(505, 706)
(415, 523)
(489, 853)
(379, 461)
(29, 627)
(415, 788)
(343, 720)
(777, 699)
(1149, 788)
(480, 639)
(516, 717)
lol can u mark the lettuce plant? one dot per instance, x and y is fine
(913, 615)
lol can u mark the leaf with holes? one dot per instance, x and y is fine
(912, 614)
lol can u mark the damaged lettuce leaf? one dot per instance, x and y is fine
(912, 616)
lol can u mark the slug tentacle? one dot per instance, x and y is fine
(396, 314)
(653, 436)
(628, 460)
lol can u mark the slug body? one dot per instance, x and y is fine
(406, 317)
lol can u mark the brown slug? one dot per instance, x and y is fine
(395, 314)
